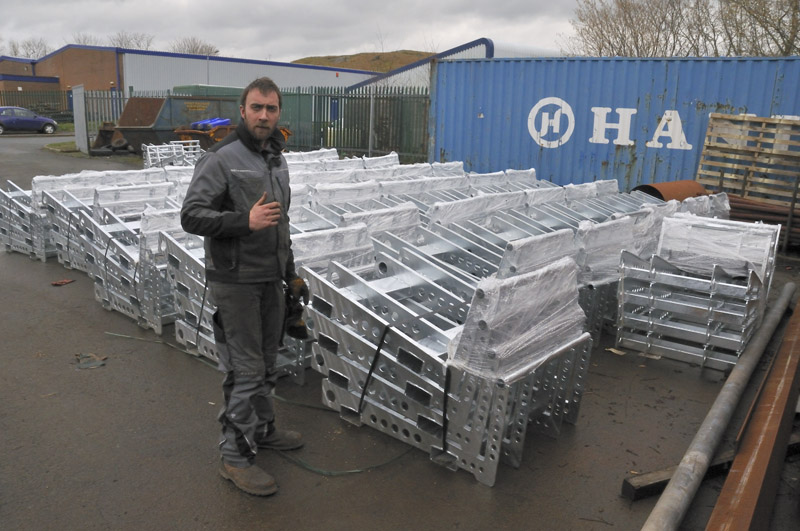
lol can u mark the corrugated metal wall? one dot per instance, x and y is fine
(581, 119)
(157, 71)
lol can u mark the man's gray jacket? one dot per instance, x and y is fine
(228, 180)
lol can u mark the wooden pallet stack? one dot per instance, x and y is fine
(756, 161)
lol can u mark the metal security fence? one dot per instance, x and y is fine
(370, 121)
(56, 104)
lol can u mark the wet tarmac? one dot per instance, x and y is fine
(131, 444)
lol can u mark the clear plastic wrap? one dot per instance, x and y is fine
(344, 244)
(696, 244)
(373, 174)
(486, 179)
(599, 246)
(385, 161)
(331, 194)
(579, 192)
(178, 174)
(699, 206)
(538, 196)
(399, 219)
(447, 169)
(83, 184)
(154, 221)
(607, 187)
(301, 195)
(646, 228)
(317, 154)
(455, 211)
(527, 254)
(413, 171)
(524, 176)
(343, 164)
(305, 166)
(720, 206)
(318, 177)
(415, 186)
(514, 324)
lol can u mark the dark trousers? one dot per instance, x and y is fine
(250, 321)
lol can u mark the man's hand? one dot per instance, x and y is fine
(264, 214)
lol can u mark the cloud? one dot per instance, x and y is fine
(285, 31)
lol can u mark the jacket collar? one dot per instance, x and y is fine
(275, 144)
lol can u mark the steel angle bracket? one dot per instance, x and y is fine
(462, 257)
(468, 242)
(420, 280)
(522, 222)
(507, 231)
(335, 341)
(351, 300)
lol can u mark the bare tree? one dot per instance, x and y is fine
(761, 27)
(86, 39)
(194, 46)
(131, 40)
(669, 28)
(29, 48)
(381, 40)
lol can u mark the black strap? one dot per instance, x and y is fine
(377, 355)
(372, 367)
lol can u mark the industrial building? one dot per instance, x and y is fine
(126, 70)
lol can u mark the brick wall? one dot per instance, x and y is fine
(27, 86)
(94, 69)
(15, 68)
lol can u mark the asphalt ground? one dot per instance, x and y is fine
(131, 444)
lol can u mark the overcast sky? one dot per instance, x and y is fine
(286, 30)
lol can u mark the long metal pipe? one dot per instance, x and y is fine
(676, 498)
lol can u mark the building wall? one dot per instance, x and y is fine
(27, 86)
(147, 71)
(93, 67)
(578, 120)
(103, 68)
(17, 67)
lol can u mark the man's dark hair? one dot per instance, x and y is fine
(264, 85)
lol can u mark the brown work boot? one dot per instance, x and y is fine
(250, 479)
(281, 440)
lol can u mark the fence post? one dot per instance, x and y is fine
(371, 119)
(79, 118)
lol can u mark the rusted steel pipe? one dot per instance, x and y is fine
(678, 190)
(748, 495)
(676, 498)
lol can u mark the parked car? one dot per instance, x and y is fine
(19, 119)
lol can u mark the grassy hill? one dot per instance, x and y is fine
(374, 61)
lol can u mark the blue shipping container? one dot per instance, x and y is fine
(577, 120)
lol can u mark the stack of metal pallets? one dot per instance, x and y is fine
(105, 224)
(382, 343)
(176, 153)
(702, 296)
(384, 332)
(408, 266)
(24, 228)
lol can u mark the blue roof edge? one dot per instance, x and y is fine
(483, 40)
(204, 57)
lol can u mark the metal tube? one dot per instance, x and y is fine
(748, 496)
(674, 502)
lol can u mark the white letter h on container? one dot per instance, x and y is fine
(623, 127)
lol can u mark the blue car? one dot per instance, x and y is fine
(19, 119)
